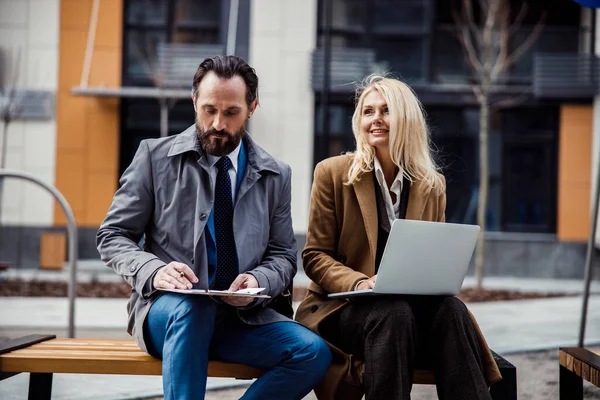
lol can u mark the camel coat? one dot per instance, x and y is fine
(340, 250)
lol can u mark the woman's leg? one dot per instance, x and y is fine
(382, 332)
(455, 352)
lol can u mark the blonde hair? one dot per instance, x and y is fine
(409, 136)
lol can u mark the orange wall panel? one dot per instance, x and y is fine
(75, 14)
(106, 68)
(87, 155)
(71, 119)
(110, 11)
(70, 61)
(98, 196)
(574, 172)
(71, 181)
(103, 147)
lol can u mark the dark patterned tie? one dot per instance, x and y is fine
(227, 265)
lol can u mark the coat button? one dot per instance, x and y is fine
(343, 259)
(132, 269)
(314, 309)
(202, 216)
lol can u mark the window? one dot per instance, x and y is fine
(340, 138)
(522, 166)
(397, 30)
(561, 33)
(392, 16)
(403, 56)
(150, 22)
(448, 60)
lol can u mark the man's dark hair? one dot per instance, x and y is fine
(227, 67)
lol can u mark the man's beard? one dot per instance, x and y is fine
(219, 143)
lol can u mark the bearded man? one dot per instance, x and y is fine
(214, 211)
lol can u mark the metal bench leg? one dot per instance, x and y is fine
(506, 389)
(40, 386)
(570, 385)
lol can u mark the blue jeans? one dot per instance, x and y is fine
(185, 331)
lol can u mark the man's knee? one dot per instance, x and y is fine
(313, 352)
(181, 308)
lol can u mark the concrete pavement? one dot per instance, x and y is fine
(509, 327)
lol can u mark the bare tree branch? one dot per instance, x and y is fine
(499, 65)
(531, 39)
(478, 94)
(467, 18)
(142, 60)
(516, 24)
(511, 102)
(465, 36)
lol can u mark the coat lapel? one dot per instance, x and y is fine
(365, 193)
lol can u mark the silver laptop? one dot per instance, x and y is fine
(421, 257)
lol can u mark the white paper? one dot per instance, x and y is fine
(248, 292)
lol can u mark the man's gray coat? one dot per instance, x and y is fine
(166, 196)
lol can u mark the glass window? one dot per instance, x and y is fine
(402, 56)
(146, 12)
(345, 41)
(340, 119)
(529, 181)
(196, 13)
(448, 59)
(558, 12)
(347, 14)
(393, 15)
(551, 40)
(522, 160)
(141, 52)
(526, 121)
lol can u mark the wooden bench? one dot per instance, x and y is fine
(42, 356)
(577, 364)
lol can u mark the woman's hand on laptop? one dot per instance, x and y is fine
(366, 284)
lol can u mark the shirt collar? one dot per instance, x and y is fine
(233, 156)
(396, 185)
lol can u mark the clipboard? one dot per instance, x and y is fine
(250, 292)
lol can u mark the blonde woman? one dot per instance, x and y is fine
(377, 343)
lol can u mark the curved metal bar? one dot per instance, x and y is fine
(71, 232)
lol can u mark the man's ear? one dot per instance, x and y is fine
(252, 107)
(194, 102)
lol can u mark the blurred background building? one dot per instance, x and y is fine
(541, 149)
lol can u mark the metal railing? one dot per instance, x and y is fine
(71, 233)
(566, 75)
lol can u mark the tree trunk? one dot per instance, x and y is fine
(3, 155)
(164, 118)
(483, 186)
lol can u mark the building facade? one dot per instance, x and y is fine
(541, 149)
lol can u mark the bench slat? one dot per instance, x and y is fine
(91, 348)
(89, 356)
(79, 355)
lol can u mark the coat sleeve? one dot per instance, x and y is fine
(322, 239)
(279, 263)
(121, 231)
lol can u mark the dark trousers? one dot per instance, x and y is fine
(395, 335)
